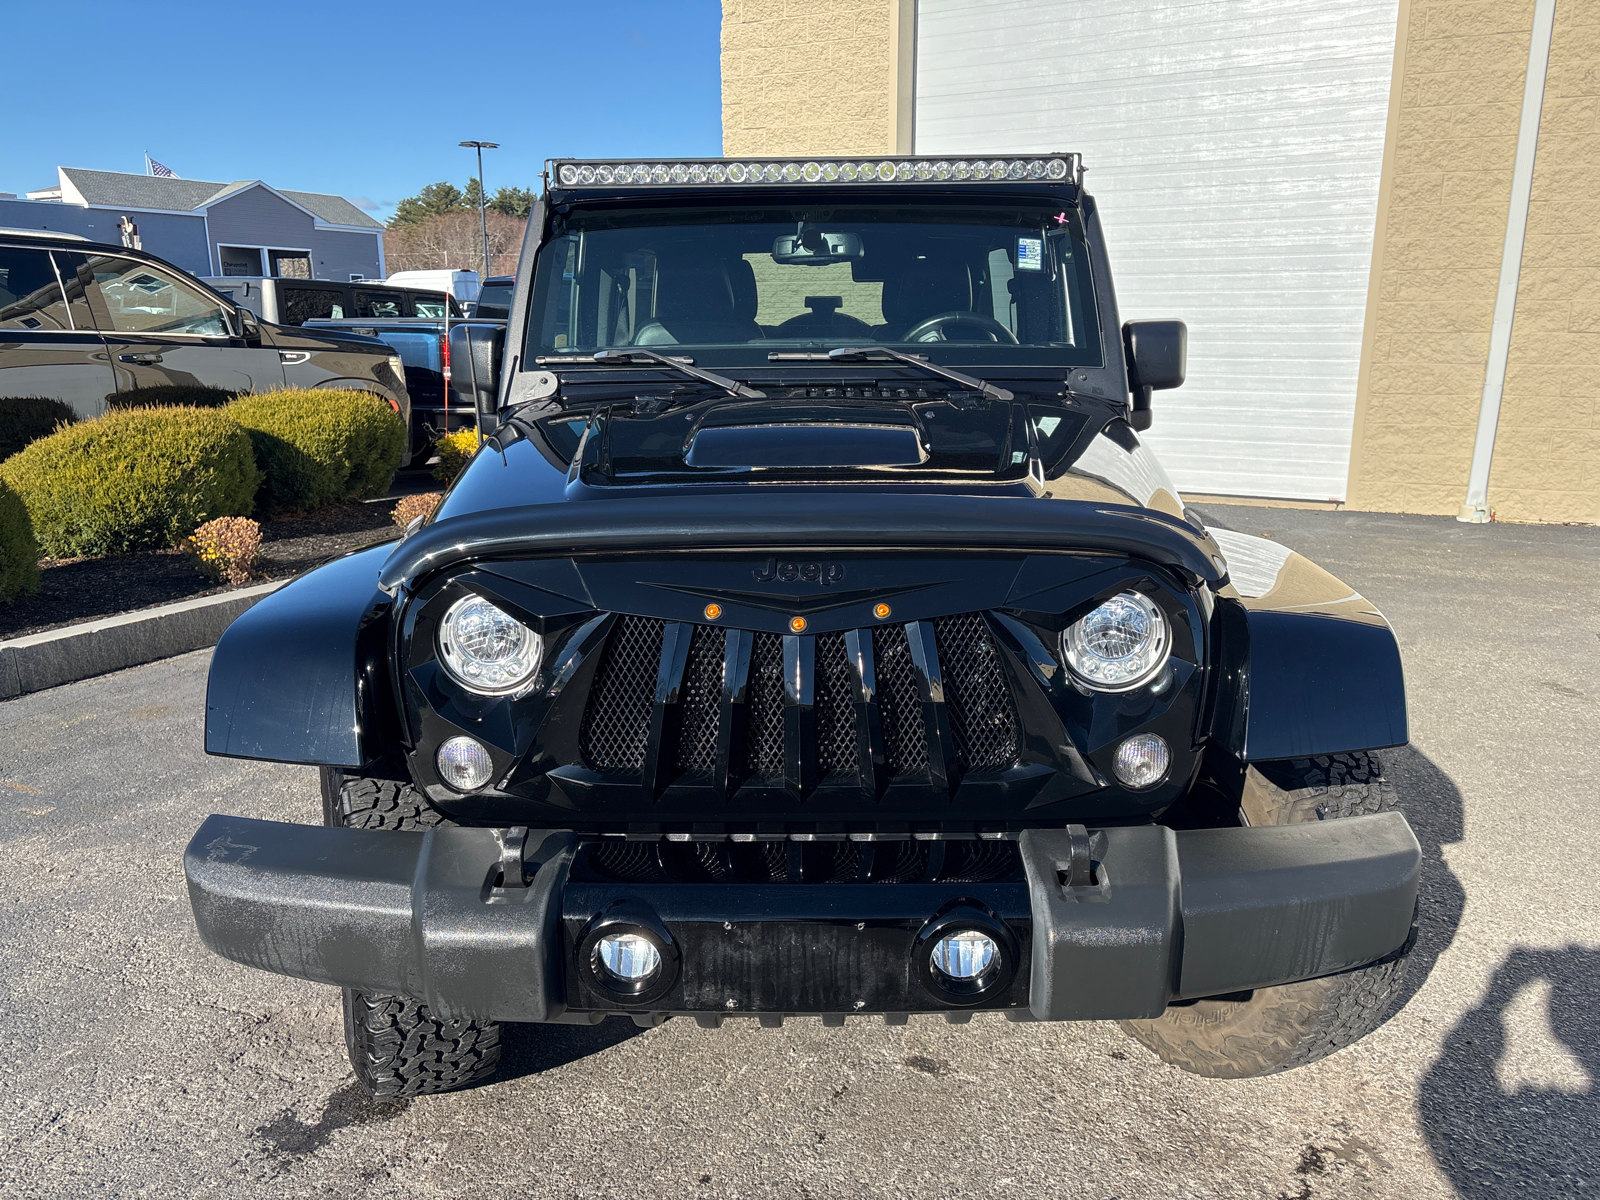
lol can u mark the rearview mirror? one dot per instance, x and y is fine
(475, 352)
(1157, 354)
(813, 247)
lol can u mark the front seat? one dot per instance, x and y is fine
(699, 302)
(923, 290)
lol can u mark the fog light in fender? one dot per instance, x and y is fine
(464, 763)
(966, 955)
(630, 957)
(1142, 760)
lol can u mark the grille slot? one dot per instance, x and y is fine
(616, 724)
(764, 706)
(702, 700)
(983, 721)
(905, 737)
(836, 714)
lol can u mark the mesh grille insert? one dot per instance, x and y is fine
(983, 721)
(764, 706)
(836, 714)
(616, 724)
(905, 737)
(702, 700)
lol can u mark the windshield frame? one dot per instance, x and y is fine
(902, 205)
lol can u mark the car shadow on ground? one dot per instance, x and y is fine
(534, 1049)
(1432, 804)
(1510, 1106)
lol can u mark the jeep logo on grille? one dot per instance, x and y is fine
(776, 571)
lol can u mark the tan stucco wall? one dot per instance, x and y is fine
(1460, 72)
(808, 77)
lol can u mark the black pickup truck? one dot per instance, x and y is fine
(816, 635)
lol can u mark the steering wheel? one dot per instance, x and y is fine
(932, 329)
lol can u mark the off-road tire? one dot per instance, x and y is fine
(1278, 1028)
(398, 1047)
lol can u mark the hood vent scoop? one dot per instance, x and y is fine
(805, 445)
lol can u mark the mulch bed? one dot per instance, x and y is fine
(73, 590)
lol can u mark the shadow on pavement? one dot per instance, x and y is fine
(1432, 803)
(532, 1049)
(1510, 1107)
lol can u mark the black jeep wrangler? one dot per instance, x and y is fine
(814, 635)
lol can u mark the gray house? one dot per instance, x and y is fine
(242, 228)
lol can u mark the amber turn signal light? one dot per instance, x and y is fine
(797, 624)
(880, 611)
(713, 611)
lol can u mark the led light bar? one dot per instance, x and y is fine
(1053, 168)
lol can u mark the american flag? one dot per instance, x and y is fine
(157, 169)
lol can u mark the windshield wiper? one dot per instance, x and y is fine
(633, 355)
(884, 354)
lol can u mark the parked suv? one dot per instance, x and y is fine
(816, 635)
(82, 322)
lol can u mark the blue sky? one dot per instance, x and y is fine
(367, 101)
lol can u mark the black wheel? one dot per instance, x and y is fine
(1277, 1028)
(398, 1047)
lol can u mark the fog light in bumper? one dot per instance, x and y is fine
(1142, 760)
(630, 958)
(464, 763)
(966, 955)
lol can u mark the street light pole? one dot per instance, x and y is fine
(483, 199)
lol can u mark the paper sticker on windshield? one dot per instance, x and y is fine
(1030, 254)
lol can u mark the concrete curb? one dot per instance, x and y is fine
(57, 656)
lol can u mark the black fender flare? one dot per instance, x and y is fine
(1310, 666)
(303, 676)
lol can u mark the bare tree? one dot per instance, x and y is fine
(452, 241)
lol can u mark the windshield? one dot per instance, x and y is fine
(976, 285)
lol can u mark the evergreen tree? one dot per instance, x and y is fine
(434, 200)
(513, 201)
(472, 198)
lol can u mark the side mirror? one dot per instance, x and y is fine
(249, 327)
(475, 352)
(1157, 354)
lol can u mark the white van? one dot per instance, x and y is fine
(463, 285)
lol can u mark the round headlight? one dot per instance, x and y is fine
(1121, 645)
(486, 650)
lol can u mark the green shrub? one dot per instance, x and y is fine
(454, 449)
(25, 419)
(133, 480)
(315, 447)
(171, 395)
(19, 552)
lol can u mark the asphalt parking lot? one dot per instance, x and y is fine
(134, 1063)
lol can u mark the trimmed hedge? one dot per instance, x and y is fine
(318, 446)
(19, 552)
(455, 450)
(139, 479)
(171, 395)
(25, 419)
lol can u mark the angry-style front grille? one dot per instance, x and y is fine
(868, 721)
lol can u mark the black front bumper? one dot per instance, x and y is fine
(1112, 923)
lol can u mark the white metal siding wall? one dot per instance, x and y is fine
(1234, 147)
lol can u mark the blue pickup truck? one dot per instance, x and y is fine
(423, 346)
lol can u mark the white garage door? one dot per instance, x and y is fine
(1234, 147)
